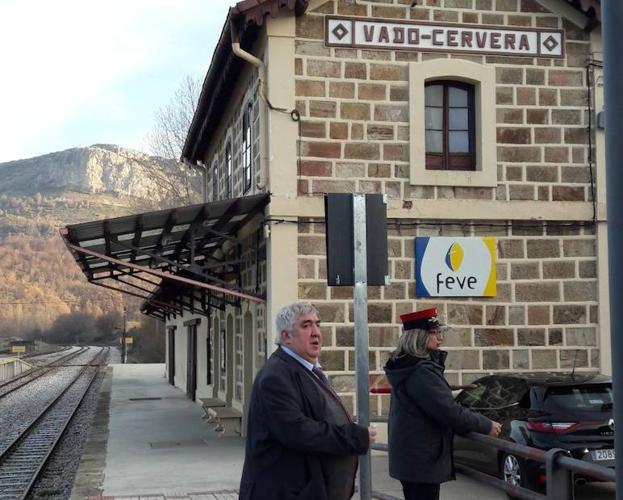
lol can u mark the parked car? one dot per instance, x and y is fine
(542, 410)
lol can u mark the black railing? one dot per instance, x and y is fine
(559, 469)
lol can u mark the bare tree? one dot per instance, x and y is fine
(173, 120)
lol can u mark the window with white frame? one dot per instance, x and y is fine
(452, 123)
(247, 141)
(229, 167)
(215, 180)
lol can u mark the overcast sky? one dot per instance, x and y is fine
(81, 72)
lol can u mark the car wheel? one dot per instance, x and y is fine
(515, 473)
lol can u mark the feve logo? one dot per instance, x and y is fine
(455, 267)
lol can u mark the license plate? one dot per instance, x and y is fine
(602, 455)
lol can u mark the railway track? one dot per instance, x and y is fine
(25, 378)
(24, 459)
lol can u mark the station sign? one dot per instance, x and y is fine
(455, 267)
(374, 33)
(18, 348)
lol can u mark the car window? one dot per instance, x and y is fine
(591, 397)
(494, 392)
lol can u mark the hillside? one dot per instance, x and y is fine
(38, 195)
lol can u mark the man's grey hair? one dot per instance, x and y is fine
(287, 316)
(413, 342)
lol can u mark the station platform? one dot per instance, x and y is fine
(149, 442)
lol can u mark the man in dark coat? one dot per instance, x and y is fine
(301, 441)
(423, 415)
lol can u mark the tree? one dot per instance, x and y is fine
(173, 120)
(167, 138)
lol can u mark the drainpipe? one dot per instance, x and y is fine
(259, 64)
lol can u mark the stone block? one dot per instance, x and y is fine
(573, 357)
(388, 72)
(547, 135)
(395, 152)
(379, 170)
(371, 91)
(578, 248)
(384, 336)
(521, 359)
(380, 132)
(569, 314)
(581, 336)
(537, 292)
(344, 336)
(531, 336)
(310, 27)
(326, 186)
(504, 95)
(324, 68)
(338, 130)
(344, 90)
(331, 313)
(388, 12)
(322, 109)
(576, 135)
(548, 97)
(537, 116)
(493, 337)
(463, 360)
(535, 76)
(313, 129)
(356, 71)
(354, 111)
(587, 269)
(566, 117)
(565, 78)
(311, 245)
(544, 359)
(306, 268)
(507, 115)
(391, 113)
(362, 151)
(458, 337)
(554, 336)
(511, 249)
(556, 155)
(495, 315)
(568, 193)
(524, 270)
(377, 313)
(538, 315)
(519, 154)
(580, 291)
(350, 169)
(332, 360)
(558, 269)
(312, 291)
(507, 135)
(398, 93)
(520, 192)
(512, 76)
(464, 314)
(574, 97)
(516, 315)
(496, 360)
(395, 291)
(538, 173)
(543, 249)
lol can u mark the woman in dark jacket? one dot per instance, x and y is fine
(423, 415)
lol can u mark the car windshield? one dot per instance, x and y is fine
(591, 397)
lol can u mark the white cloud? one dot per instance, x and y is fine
(73, 56)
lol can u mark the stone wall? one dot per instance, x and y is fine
(355, 110)
(544, 317)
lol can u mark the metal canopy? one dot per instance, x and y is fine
(172, 258)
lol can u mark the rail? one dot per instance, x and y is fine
(559, 468)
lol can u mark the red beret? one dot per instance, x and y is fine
(426, 319)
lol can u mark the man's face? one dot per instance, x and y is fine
(305, 339)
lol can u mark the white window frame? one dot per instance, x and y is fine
(247, 147)
(483, 78)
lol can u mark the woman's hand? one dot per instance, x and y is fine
(496, 428)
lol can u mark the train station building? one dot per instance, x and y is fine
(480, 120)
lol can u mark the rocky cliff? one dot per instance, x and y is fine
(99, 169)
(40, 280)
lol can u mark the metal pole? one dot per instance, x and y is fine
(361, 336)
(124, 349)
(612, 20)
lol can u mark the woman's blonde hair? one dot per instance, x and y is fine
(414, 343)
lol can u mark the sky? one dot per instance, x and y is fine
(79, 72)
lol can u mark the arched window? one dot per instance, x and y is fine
(450, 125)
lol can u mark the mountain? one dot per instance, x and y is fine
(40, 281)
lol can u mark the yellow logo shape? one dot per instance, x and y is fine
(454, 257)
